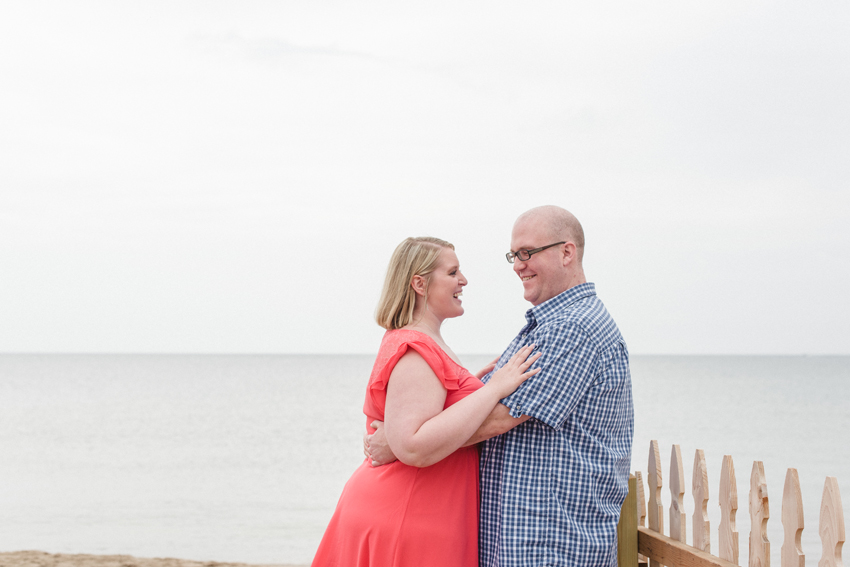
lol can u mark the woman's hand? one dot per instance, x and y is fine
(508, 378)
(487, 369)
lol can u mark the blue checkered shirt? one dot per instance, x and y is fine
(552, 487)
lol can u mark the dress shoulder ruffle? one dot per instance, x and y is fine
(396, 343)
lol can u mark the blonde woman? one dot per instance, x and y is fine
(421, 510)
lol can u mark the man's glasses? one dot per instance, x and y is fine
(524, 255)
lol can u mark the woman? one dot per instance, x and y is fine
(421, 510)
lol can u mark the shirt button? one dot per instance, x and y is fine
(524, 335)
(519, 408)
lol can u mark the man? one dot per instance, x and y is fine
(555, 463)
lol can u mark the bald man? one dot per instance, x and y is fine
(556, 453)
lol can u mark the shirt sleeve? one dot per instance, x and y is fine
(568, 366)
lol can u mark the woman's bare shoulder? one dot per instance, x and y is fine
(412, 364)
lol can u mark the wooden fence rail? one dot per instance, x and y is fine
(642, 545)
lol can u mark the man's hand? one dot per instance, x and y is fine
(375, 446)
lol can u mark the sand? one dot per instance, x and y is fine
(42, 559)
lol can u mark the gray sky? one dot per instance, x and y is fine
(233, 176)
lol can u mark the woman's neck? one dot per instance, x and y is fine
(430, 325)
(427, 323)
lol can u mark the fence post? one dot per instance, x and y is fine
(641, 498)
(759, 514)
(831, 525)
(627, 530)
(792, 521)
(678, 518)
(702, 528)
(727, 535)
(655, 514)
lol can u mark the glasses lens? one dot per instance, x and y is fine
(523, 255)
(510, 257)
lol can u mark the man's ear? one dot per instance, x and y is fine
(569, 253)
(419, 284)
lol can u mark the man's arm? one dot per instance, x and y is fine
(499, 421)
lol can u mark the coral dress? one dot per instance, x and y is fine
(402, 516)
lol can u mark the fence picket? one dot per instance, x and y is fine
(759, 514)
(641, 502)
(702, 528)
(792, 521)
(831, 525)
(678, 518)
(655, 514)
(727, 534)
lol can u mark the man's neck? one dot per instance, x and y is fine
(576, 278)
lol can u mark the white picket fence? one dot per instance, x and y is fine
(640, 544)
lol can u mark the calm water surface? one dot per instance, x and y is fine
(242, 458)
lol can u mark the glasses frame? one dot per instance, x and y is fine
(528, 253)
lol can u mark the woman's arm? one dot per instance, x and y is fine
(418, 430)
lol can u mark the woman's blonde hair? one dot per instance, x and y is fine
(413, 257)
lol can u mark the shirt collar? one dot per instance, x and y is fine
(551, 307)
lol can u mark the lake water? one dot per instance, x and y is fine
(242, 458)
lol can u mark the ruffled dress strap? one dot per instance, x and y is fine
(395, 344)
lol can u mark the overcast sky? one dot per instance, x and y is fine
(233, 176)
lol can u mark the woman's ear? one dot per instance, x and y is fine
(419, 284)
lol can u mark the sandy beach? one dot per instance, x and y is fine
(42, 559)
